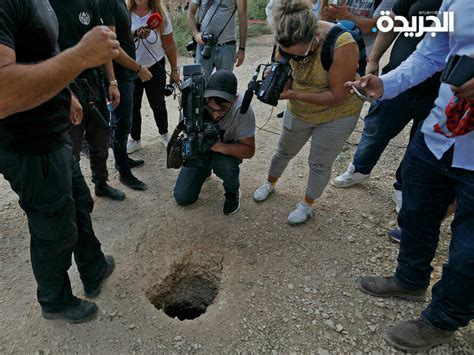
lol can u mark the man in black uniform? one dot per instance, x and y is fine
(114, 13)
(36, 154)
(75, 18)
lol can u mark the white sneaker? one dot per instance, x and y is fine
(262, 193)
(133, 146)
(349, 178)
(165, 139)
(397, 198)
(300, 214)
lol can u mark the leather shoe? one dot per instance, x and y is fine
(416, 335)
(135, 163)
(132, 182)
(104, 190)
(93, 290)
(78, 311)
(388, 287)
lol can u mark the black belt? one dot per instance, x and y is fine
(227, 43)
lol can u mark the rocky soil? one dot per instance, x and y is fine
(277, 288)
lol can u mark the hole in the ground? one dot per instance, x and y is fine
(190, 287)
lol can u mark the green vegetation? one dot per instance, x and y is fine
(182, 33)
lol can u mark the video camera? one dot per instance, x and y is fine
(192, 139)
(268, 89)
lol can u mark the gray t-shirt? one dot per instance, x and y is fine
(237, 125)
(216, 17)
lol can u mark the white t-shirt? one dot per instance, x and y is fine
(151, 44)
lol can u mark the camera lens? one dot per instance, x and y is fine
(168, 90)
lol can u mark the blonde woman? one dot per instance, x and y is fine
(319, 106)
(151, 49)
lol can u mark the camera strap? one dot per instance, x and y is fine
(230, 18)
(208, 6)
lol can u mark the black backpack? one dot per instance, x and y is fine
(327, 50)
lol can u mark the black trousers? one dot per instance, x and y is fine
(57, 203)
(154, 92)
(96, 137)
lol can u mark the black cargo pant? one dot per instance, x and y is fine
(95, 133)
(57, 203)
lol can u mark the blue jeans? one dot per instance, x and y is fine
(222, 57)
(190, 180)
(429, 186)
(383, 122)
(121, 124)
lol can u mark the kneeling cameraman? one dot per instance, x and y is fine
(237, 142)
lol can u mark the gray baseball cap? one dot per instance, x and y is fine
(223, 84)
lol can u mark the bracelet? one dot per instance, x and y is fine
(113, 82)
(139, 68)
(242, 49)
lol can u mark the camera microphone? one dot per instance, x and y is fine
(246, 101)
(154, 21)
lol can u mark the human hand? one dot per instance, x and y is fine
(371, 84)
(142, 32)
(217, 147)
(465, 91)
(144, 74)
(97, 47)
(372, 68)
(337, 11)
(239, 57)
(198, 38)
(76, 113)
(174, 75)
(288, 94)
(114, 96)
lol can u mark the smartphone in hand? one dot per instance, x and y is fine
(361, 94)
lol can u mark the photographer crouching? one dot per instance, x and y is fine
(222, 106)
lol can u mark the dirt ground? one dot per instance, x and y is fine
(277, 288)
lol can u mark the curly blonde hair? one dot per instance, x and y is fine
(294, 23)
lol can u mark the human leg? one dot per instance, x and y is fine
(294, 136)
(225, 57)
(156, 97)
(44, 186)
(189, 183)
(136, 128)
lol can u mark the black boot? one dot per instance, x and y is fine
(93, 290)
(132, 182)
(135, 163)
(104, 190)
(78, 311)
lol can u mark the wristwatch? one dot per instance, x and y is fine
(113, 82)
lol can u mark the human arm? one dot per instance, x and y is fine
(343, 68)
(126, 61)
(170, 49)
(341, 12)
(192, 23)
(244, 148)
(383, 41)
(243, 26)
(113, 91)
(44, 80)
(76, 113)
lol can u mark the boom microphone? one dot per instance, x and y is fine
(154, 21)
(246, 101)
